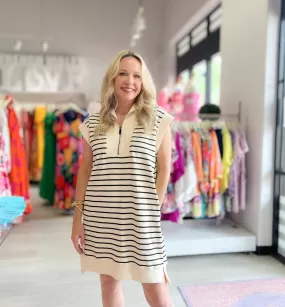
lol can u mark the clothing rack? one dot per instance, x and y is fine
(220, 121)
(50, 98)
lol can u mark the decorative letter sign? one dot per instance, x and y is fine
(33, 73)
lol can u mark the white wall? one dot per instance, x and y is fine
(95, 29)
(249, 48)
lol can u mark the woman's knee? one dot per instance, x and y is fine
(157, 295)
(109, 284)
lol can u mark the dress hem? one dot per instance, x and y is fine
(125, 271)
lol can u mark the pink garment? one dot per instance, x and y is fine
(178, 168)
(173, 217)
(169, 205)
(162, 99)
(5, 188)
(191, 105)
(176, 104)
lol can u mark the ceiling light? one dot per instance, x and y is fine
(45, 46)
(139, 26)
(18, 45)
(136, 36)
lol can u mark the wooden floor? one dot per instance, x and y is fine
(39, 268)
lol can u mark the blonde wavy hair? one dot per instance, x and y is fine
(145, 101)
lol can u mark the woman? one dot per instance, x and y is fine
(121, 185)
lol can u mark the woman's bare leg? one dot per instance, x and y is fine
(157, 295)
(112, 295)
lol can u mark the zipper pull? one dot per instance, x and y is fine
(119, 142)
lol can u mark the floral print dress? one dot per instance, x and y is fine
(68, 156)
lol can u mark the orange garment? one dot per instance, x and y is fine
(19, 179)
(40, 114)
(197, 158)
(216, 173)
(37, 154)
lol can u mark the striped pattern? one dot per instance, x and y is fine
(121, 212)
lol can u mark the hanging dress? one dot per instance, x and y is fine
(5, 188)
(18, 176)
(47, 184)
(214, 208)
(121, 216)
(68, 156)
(38, 145)
(198, 210)
(5, 164)
(25, 123)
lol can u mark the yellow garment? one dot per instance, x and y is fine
(40, 114)
(227, 159)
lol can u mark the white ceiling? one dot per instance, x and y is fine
(95, 29)
(82, 27)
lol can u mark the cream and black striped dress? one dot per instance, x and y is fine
(121, 215)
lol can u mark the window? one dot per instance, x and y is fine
(200, 75)
(199, 52)
(199, 33)
(184, 75)
(183, 46)
(216, 62)
(216, 20)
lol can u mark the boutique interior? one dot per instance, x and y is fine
(225, 188)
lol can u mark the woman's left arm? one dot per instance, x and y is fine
(163, 165)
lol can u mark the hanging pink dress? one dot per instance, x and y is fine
(191, 105)
(5, 188)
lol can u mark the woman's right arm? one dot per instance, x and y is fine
(82, 181)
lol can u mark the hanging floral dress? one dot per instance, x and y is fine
(68, 156)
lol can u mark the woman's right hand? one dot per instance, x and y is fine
(77, 236)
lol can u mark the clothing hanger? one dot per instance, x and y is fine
(71, 106)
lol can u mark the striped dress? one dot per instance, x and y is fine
(121, 216)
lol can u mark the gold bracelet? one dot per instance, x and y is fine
(78, 204)
(77, 207)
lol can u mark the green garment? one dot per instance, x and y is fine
(47, 184)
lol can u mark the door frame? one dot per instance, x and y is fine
(279, 171)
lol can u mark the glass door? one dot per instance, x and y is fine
(279, 184)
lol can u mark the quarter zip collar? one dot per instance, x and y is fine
(132, 110)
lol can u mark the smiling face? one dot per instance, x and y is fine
(128, 83)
